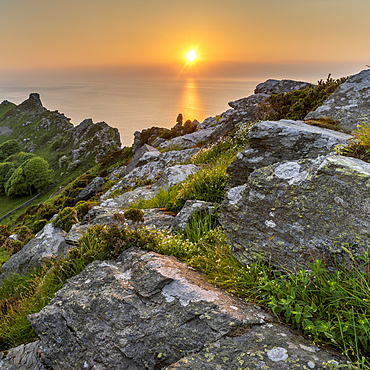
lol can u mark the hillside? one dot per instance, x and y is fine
(240, 242)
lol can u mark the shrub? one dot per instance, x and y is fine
(134, 214)
(297, 104)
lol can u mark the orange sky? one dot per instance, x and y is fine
(233, 34)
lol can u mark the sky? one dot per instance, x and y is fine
(234, 38)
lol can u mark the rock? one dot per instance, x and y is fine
(150, 167)
(271, 142)
(33, 102)
(349, 104)
(91, 189)
(138, 155)
(189, 140)
(138, 142)
(128, 198)
(147, 311)
(269, 346)
(48, 243)
(158, 141)
(251, 102)
(24, 357)
(174, 175)
(293, 212)
(272, 86)
(184, 217)
(154, 218)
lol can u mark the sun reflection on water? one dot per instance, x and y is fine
(190, 105)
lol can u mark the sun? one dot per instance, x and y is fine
(191, 56)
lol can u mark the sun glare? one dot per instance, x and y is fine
(191, 56)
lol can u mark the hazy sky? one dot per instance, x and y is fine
(228, 35)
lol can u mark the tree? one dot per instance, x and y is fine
(6, 171)
(34, 174)
(8, 148)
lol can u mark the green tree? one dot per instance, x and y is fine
(6, 171)
(34, 174)
(8, 148)
(25, 157)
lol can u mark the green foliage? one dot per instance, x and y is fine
(200, 225)
(32, 174)
(6, 171)
(297, 104)
(4, 255)
(121, 157)
(25, 157)
(134, 214)
(71, 215)
(208, 184)
(8, 148)
(360, 146)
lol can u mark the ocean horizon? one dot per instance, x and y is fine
(131, 104)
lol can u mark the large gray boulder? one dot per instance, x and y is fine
(91, 189)
(138, 156)
(293, 212)
(147, 311)
(349, 104)
(47, 244)
(272, 86)
(274, 141)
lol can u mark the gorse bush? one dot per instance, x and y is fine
(297, 104)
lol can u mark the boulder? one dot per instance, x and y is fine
(91, 189)
(189, 140)
(138, 155)
(293, 212)
(128, 198)
(184, 218)
(48, 243)
(271, 142)
(148, 311)
(272, 86)
(24, 357)
(349, 104)
(174, 175)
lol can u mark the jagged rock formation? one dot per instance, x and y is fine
(91, 189)
(147, 311)
(349, 104)
(271, 142)
(48, 243)
(272, 86)
(294, 212)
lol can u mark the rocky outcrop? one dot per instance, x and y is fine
(147, 311)
(293, 212)
(184, 218)
(91, 189)
(189, 140)
(271, 142)
(349, 104)
(48, 243)
(32, 103)
(24, 357)
(272, 86)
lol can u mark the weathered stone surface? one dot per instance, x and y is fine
(147, 311)
(349, 104)
(185, 216)
(296, 211)
(138, 142)
(142, 311)
(269, 346)
(151, 165)
(174, 175)
(24, 357)
(48, 243)
(138, 155)
(189, 140)
(272, 86)
(249, 102)
(128, 198)
(271, 142)
(91, 189)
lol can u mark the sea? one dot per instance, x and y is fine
(130, 103)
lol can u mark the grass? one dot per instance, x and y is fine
(359, 147)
